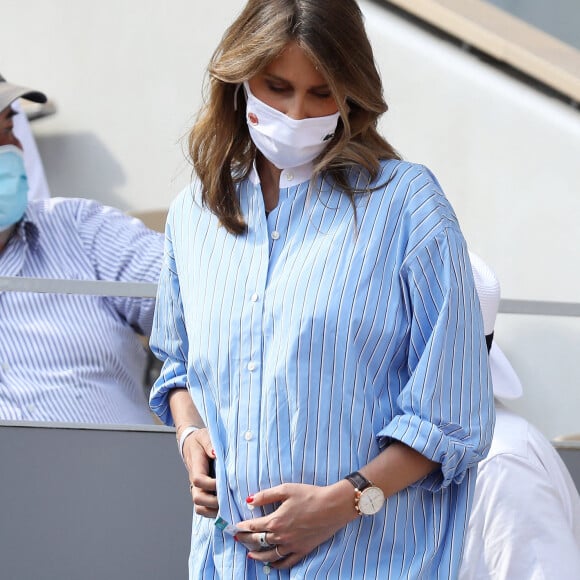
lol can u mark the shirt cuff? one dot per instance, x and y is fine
(444, 444)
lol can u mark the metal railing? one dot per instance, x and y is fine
(148, 290)
(86, 287)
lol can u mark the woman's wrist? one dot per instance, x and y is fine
(182, 433)
(342, 499)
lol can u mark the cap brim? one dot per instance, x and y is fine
(506, 383)
(9, 93)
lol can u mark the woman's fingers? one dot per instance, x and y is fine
(264, 547)
(277, 557)
(204, 481)
(206, 504)
(199, 456)
(257, 542)
(275, 494)
(198, 451)
(292, 529)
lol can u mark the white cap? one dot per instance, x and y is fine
(10, 92)
(506, 383)
(488, 291)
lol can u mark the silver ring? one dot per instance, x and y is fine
(278, 553)
(190, 486)
(263, 541)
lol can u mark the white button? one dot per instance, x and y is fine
(5, 367)
(289, 176)
(31, 408)
(254, 298)
(251, 366)
(248, 435)
(275, 235)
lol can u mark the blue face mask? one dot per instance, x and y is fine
(13, 186)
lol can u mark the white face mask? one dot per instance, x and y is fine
(287, 142)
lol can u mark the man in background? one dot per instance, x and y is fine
(525, 520)
(71, 358)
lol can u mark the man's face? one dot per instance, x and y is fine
(6, 128)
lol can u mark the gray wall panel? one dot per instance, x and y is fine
(89, 503)
(92, 503)
(570, 452)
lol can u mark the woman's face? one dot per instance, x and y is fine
(292, 85)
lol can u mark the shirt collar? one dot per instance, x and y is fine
(27, 230)
(289, 177)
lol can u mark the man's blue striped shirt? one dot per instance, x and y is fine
(76, 358)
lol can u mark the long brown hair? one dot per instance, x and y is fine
(332, 34)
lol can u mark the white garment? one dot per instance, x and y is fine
(525, 522)
(38, 186)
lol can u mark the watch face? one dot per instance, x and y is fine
(371, 501)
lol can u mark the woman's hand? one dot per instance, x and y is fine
(308, 516)
(198, 454)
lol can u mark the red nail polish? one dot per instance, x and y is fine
(250, 556)
(236, 538)
(250, 499)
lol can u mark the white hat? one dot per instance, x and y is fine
(506, 383)
(10, 92)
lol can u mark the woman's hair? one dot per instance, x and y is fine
(332, 34)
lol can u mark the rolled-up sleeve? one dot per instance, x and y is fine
(445, 411)
(168, 339)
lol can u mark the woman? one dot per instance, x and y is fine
(317, 319)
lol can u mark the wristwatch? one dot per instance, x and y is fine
(368, 498)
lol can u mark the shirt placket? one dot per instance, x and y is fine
(251, 429)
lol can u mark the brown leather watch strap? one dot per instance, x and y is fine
(358, 480)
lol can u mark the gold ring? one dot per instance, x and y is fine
(278, 553)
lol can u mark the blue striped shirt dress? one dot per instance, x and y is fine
(315, 339)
